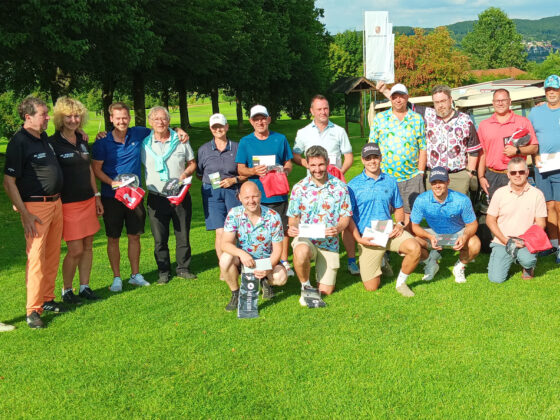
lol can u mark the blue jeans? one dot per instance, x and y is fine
(500, 262)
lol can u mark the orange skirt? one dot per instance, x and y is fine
(80, 220)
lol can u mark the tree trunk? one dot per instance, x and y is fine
(60, 84)
(183, 105)
(165, 97)
(107, 92)
(215, 104)
(139, 99)
(239, 109)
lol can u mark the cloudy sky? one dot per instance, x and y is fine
(349, 14)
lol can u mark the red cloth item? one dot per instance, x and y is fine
(178, 199)
(519, 138)
(334, 171)
(536, 240)
(130, 196)
(275, 183)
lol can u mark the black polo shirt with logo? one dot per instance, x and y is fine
(32, 162)
(74, 161)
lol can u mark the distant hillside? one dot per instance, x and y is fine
(535, 34)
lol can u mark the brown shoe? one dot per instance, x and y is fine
(528, 273)
(404, 290)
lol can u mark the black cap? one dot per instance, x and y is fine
(439, 173)
(371, 149)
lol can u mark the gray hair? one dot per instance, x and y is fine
(442, 89)
(29, 106)
(516, 161)
(157, 109)
(317, 151)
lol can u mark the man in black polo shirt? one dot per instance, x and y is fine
(33, 181)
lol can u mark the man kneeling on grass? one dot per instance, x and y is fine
(373, 194)
(252, 232)
(319, 210)
(452, 222)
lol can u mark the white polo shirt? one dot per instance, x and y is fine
(333, 138)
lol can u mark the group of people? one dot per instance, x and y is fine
(418, 165)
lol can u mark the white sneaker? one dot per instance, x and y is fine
(137, 280)
(459, 274)
(117, 285)
(6, 327)
(432, 266)
(288, 268)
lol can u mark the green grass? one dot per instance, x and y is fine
(476, 350)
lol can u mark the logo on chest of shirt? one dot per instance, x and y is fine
(67, 155)
(41, 155)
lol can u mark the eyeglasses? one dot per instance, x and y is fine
(517, 172)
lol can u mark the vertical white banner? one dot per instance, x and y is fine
(379, 43)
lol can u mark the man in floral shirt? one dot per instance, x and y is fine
(252, 232)
(322, 201)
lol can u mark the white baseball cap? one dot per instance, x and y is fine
(258, 110)
(399, 88)
(218, 119)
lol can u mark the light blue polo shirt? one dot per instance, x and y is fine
(372, 199)
(546, 123)
(445, 218)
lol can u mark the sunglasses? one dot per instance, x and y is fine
(517, 172)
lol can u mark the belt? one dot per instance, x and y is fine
(451, 172)
(43, 198)
(497, 172)
(156, 193)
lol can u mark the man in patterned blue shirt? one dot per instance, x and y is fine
(252, 232)
(322, 201)
(452, 222)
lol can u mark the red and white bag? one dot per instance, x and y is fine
(130, 196)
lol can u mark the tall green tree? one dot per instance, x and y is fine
(494, 42)
(346, 56)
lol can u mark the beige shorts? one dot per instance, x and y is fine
(371, 256)
(326, 262)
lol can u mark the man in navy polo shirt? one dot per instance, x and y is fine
(271, 148)
(373, 194)
(451, 218)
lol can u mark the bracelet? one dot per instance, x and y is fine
(97, 194)
(421, 172)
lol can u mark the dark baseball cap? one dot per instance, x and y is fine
(371, 149)
(439, 173)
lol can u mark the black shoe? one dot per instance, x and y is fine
(55, 307)
(88, 294)
(70, 297)
(34, 320)
(234, 301)
(267, 290)
(186, 274)
(163, 278)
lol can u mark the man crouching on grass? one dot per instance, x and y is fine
(252, 232)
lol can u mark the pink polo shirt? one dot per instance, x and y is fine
(516, 213)
(494, 135)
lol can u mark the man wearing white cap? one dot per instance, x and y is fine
(259, 150)
(217, 169)
(400, 134)
(546, 122)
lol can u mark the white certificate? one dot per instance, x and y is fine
(261, 264)
(268, 160)
(549, 162)
(312, 230)
(379, 232)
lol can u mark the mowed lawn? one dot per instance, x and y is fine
(475, 350)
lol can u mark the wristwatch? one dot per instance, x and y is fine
(401, 224)
(518, 150)
(473, 172)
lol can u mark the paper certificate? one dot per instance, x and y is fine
(268, 160)
(215, 179)
(446, 239)
(312, 230)
(261, 264)
(379, 232)
(549, 162)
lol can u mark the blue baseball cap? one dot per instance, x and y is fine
(552, 81)
(439, 173)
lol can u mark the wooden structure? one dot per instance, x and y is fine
(353, 89)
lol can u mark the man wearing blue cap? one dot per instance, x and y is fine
(546, 121)
(452, 222)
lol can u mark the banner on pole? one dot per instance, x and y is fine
(379, 47)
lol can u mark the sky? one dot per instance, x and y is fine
(341, 15)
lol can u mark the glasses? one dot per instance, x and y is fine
(517, 172)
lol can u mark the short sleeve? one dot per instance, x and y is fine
(299, 143)
(189, 152)
(98, 150)
(293, 206)
(494, 206)
(396, 200)
(277, 231)
(231, 224)
(14, 159)
(287, 155)
(540, 205)
(374, 132)
(422, 134)
(346, 204)
(242, 155)
(468, 214)
(417, 213)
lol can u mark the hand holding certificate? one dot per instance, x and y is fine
(312, 230)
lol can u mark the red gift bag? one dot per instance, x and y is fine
(130, 196)
(334, 171)
(536, 240)
(275, 183)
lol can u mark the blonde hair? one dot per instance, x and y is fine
(68, 106)
(118, 105)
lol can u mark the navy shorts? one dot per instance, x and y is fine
(549, 184)
(217, 203)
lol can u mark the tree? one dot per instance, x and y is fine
(422, 61)
(551, 65)
(494, 42)
(346, 56)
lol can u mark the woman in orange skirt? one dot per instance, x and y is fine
(81, 203)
